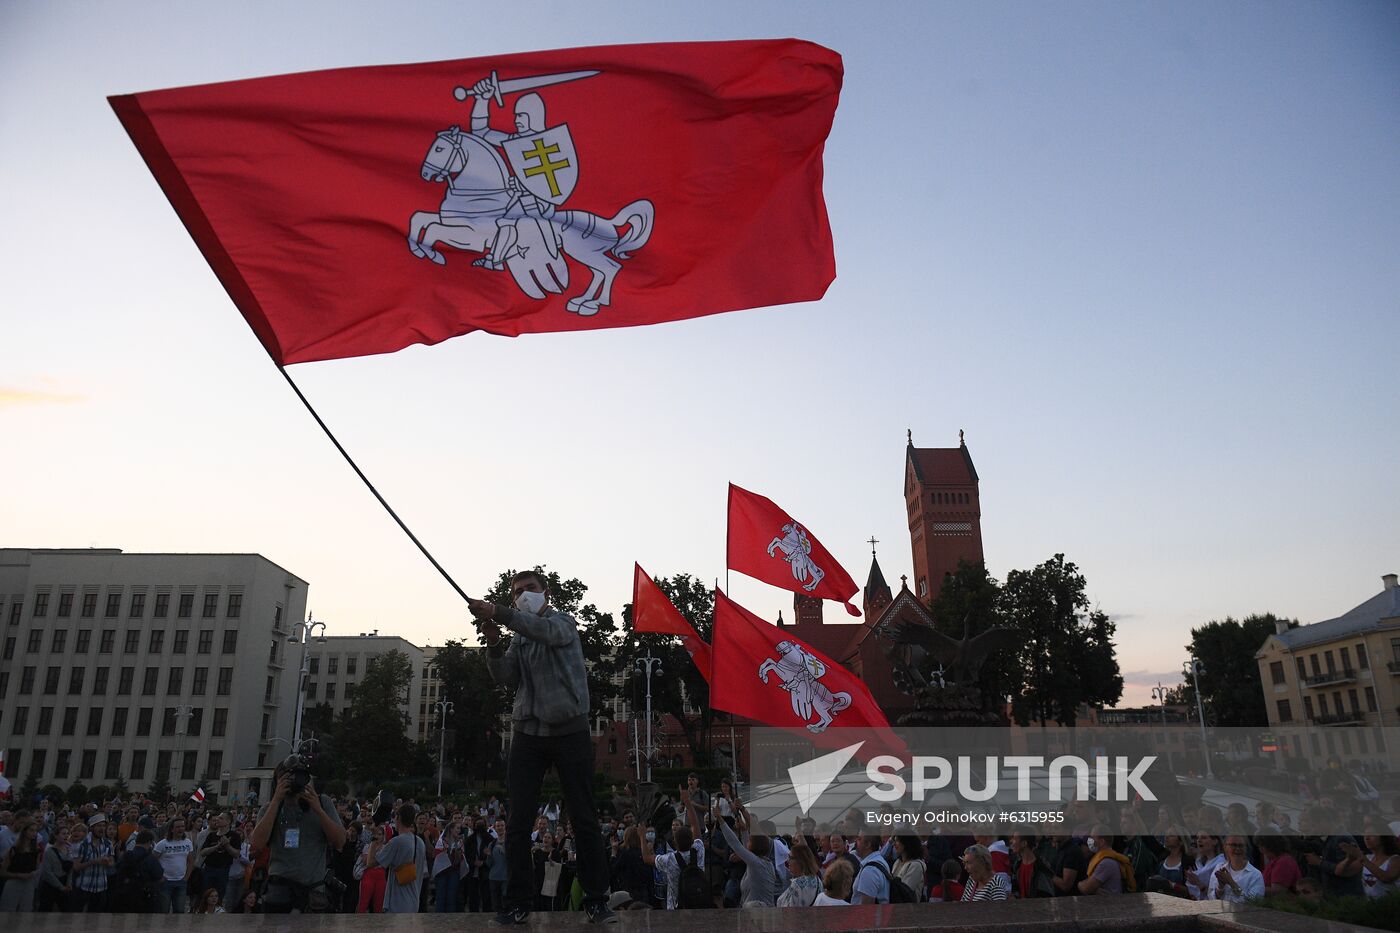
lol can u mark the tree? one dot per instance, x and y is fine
(159, 789)
(971, 593)
(1064, 655)
(120, 788)
(595, 629)
(1233, 693)
(681, 680)
(371, 737)
(478, 707)
(29, 790)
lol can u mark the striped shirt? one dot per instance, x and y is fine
(995, 889)
(93, 879)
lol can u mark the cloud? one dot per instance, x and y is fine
(1147, 678)
(13, 398)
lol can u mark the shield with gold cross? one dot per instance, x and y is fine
(545, 162)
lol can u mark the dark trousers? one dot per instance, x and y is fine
(572, 757)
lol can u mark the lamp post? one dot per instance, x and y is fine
(443, 707)
(1159, 693)
(1194, 670)
(302, 632)
(651, 665)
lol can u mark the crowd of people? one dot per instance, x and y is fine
(382, 855)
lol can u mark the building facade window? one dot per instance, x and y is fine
(175, 681)
(1362, 661)
(162, 606)
(63, 761)
(45, 720)
(131, 644)
(99, 681)
(333, 665)
(267, 694)
(89, 609)
(205, 644)
(124, 681)
(16, 610)
(350, 664)
(1346, 659)
(113, 771)
(194, 723)
(182, 642)
(1370, 699)
(149, 681)
(108, 641)
(330, 692)
(219, 727)
(143, 721)
(157, 641)
(230, 645)
(26, 681)
(83, 641)
(88, 764)
(225, 681)
(36, 641)
(21, 721)
(9, 652)
(168, 721)
(201, 681)
(138, 605)
(51, 681)
(138, 765)
(216, 763)
(65, 605)
(41, 605)
(235, 605)
(211, 605)
(163, 763)
(58, 641)
(114, 605)
(315, 667)
(94, 725)
(75, 681)
(1308, 707)
(70, 720)
(186, 605)
(119, 720)
(311, 690)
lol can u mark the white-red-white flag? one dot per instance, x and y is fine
(198, 795)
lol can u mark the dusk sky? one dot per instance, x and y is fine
(1144, 254)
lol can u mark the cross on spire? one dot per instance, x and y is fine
(873, 541)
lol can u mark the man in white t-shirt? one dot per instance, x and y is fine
(1236, 881)
(176, 854)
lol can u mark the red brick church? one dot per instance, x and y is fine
(945, 527)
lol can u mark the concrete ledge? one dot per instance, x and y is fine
(1140, 913)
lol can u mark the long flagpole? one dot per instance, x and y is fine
(733, 744)
(370, 486)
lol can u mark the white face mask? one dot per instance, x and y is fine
(1093, 844)
(530, 602)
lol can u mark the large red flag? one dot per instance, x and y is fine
(653, 612)
(362, 210)
(766, 544)
(765, 673)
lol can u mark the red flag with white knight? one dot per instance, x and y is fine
(768, 675)
(767, 544)
(653, 612)
(362, 210)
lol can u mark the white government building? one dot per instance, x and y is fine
(128, 666)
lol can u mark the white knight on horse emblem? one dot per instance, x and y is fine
(504, 191)
(797, 551)
(801, 672)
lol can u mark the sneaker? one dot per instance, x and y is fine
(513, 917)
(601, 913)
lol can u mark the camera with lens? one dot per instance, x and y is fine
(298, 772)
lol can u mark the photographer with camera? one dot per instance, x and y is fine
(302, 830)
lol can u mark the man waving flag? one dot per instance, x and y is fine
(653, 612)
(767, 544)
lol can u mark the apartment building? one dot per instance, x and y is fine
(134, 666)
(338, 663)
(1334, 686)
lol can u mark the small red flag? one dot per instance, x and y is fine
(766, 674)
(652, 611)
(766, 544)
(362, 210)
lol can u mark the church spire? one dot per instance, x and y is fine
(877, 591)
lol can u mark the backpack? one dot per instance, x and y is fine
(900, 893)
(130, 891)
(693, 892)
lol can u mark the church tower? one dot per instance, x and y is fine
(945, 513)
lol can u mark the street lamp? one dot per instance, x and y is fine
(1159, 693)
(1194, 670)
(652, 666)
(301, 633)
(443, 707)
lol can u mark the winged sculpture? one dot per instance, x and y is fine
(961, 658)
